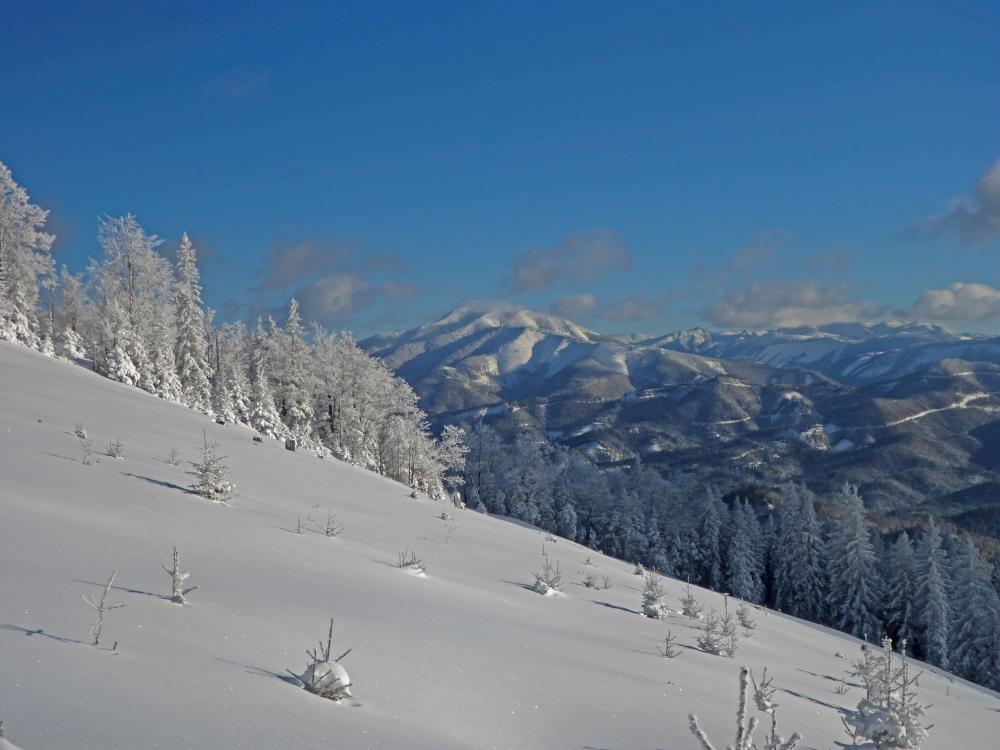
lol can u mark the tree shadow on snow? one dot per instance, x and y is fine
(39, 631)
(127, 590)
(831, 678)
(838, 709)
(261, 672)
(159, 482)
(609, 605)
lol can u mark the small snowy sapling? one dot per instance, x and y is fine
(80, 430)
(710, 640)
(177, 579)
(325, 677)
(100, 606)
(745, 726)
(689, 605)
(667, 649)
(408, 560)
(652, 597)
(211, 474)
(549, 580)
(330, 529)
(87, 447)
(115, 449)
(746, 621)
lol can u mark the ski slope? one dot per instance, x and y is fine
(467, 657)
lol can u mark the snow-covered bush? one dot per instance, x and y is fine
(177, 579)
(331, 528)
(549, 580)
(888, 718)
(746, 725)
(408, 560)
(212, 474)
(87, 448)
(325, 677)
(80, 430)
(115, 450)
(652, 597)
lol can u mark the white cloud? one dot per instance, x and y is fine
(973, 219)
(969, 302)
(787, 304)
(636, 307)
(581, 257)
(574, 305)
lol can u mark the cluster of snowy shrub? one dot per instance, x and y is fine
(938, 593)
(140, 320)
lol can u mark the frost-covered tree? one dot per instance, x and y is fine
(747, 725)
(743, 565)
(212, 476)
(901, 592)
(133, 285)
(889, 718)
(933, 610)
(854, 582)
(190, 349)
(263, 415)
(975, 608)
(292, 374)
(178, 577)
(24, 261)
(710, 524)
(69, 318)
(653, 604)
(798, 558)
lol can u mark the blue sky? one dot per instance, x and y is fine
(638, 168)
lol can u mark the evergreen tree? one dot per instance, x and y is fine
(976, 614)
(901, 592)
(933, 610)
(854, 582)
(24, 260)
(742, 564)
(190, 351)
(264, 416)
(710, 541)
(798, 559)
(293, 392)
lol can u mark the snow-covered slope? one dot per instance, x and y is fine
(467, 657)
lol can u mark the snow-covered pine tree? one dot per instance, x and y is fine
(24, 260)
(69, 316)
(190, 350)
(901, 592)
(854, 583)
(975, 609)
(652, 597)
(743, 566)
(798, 559)
(264, 415)
(134, 286)
(292, 374)
(710, 524)
(933, 610)
(178, 576)
(212, 475)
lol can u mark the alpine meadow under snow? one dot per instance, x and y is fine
(465, 655)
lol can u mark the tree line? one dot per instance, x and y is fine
(137, 318)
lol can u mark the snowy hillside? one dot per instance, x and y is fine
(465, 657)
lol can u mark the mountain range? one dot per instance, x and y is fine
(907, 411)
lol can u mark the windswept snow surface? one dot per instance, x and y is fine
(467, 657)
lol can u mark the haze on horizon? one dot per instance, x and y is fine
(645, 169)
